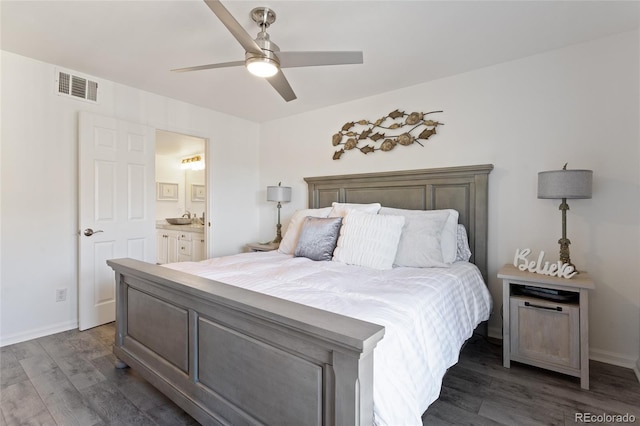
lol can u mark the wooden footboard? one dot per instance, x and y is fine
(232, 356)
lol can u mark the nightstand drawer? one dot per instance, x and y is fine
(544, 332)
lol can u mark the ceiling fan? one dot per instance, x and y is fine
(263, 57)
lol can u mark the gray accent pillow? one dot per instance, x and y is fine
(318, 238)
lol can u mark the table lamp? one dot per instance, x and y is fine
(564, 184)
(281, 194)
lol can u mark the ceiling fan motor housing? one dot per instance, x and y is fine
(269, 50)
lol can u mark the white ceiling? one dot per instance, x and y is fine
(405, 43)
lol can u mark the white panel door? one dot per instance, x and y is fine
(116, 208)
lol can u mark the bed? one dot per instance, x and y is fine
(244, 354)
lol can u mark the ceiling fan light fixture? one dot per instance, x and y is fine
(262, 67)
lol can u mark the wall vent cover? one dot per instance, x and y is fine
(76, 86)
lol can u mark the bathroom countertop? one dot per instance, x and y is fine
(187, 228)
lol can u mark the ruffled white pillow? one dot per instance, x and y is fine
(368, 240)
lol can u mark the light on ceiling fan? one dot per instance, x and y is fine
(262, 67)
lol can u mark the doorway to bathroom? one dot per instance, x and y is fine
(181, 197)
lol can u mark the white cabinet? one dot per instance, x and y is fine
(178, 246)
(166, 246)
(172, 246)
(197, 247)
(546, 321)
(161, 247)
(184, 246)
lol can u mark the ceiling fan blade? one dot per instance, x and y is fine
(210, 66)
(234, 27)
(282, 86)
(310, 59)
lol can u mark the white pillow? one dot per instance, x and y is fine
(290, 239)
(449, 235)
(341, 209)
(420, 242)
(449, 241)
(368, 240)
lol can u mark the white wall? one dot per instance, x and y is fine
(577, 105)
(39, 186)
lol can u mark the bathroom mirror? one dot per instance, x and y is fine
(180, 164)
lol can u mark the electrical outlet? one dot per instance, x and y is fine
(61, 295)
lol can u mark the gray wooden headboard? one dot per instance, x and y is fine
(463, 188)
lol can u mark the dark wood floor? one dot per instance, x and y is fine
(69, 379)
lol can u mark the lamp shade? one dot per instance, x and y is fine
(279, 193)
(565, 184)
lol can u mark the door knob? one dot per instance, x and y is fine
(89, 232)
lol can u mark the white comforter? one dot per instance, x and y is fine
(428, 313)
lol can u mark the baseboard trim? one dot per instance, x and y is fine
(495, 332)
(612, 358)
(595, 354)
(38, 332)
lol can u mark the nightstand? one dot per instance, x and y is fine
(262, 247)
(545, 321)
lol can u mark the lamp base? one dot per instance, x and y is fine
(564, 241)
(278, 238)
(565, 256)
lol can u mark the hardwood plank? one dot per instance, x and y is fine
(503, 411)
(445, 413)
(21, 404)
(465, 400)
(11, 371)
(87, 346)
(137, 390)
(113, 406)
(63, 400)
(27, 349)
(38, 364)
(170, 415)
(85, 378)
(75, 365)
(103, 334)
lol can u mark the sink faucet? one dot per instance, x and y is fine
(187, 214)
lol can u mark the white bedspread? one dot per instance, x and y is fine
(428, 313)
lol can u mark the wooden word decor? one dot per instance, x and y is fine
(384, 134)
(555, 269)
